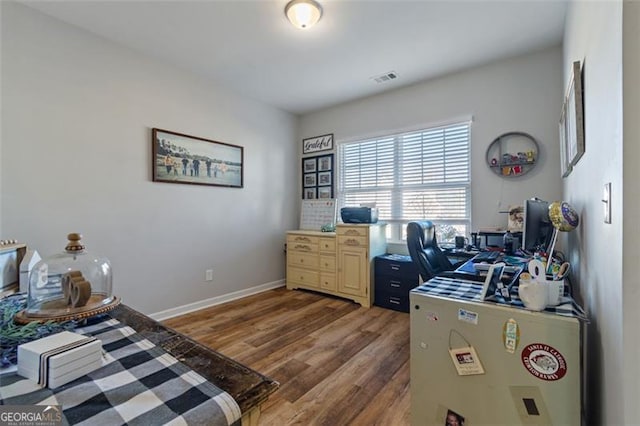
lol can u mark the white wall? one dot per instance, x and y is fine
(519, 94)
(77, 113)
(593, 34)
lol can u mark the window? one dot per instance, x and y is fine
(417, 175)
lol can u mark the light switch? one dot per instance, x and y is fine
(606, 200)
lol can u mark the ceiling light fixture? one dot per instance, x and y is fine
(303, 14)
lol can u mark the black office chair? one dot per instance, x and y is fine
(425, 253)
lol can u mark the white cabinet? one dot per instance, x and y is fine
(339, 263)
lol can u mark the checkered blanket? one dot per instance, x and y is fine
(139, 384)
(470, 290)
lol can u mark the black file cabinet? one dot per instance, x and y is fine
(395, 276)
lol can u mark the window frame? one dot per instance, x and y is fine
(396, 229)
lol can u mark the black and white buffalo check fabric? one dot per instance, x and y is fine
(138, 384)
(455, 288)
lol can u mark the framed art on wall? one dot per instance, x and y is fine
(317, 177)
(317, 143)
(180, 158)
(574, 117)
(565, 165)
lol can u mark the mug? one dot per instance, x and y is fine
(533, 293)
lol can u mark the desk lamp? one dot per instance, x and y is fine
(563, 218)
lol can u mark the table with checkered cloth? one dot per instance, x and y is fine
(460, 289)
(138, 384)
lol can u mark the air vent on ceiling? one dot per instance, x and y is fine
(388, 76)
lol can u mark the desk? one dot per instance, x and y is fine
(459, 255)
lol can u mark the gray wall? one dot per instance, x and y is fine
(631, 196)
(519, 94)
(604, 256)
(77, 113)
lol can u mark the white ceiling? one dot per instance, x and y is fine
(250, 47)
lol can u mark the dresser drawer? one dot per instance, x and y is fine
(302, 247)
(327, 244)
(397, 302)
(328, 263)
(390, 284)
(302, 239)
(396, 265)
(328, 281)
(303, 260)
(303, 276)
(352, 231)
(352, 241)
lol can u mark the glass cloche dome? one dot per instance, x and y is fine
(70, 285)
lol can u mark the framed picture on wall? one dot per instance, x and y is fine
(574, 116)
(310, 179)
(317, 143)
(325, 192)
(317, 177)
(565, 165)
(309, 165)
(310, 194)
(180, 158)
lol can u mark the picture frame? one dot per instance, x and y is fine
(565, 165)
(574, 117)
(310, 193)
(181, 158)
(309, 165)
(324, 178)
(493, 280)
(325, 163)
(317, 144)
(325, 192)
(317, 177)
(310, 180)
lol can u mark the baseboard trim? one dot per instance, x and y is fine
(191, 307)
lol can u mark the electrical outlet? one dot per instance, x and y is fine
(208, 275)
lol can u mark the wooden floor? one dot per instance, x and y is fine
(337, 363)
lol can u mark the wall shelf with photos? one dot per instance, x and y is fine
(317, 177)
(512, 154)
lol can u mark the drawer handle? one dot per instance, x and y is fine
(394, 301)
(395, 267)
(303, 247)
(352, 242)
(301, 260)
(326, 264)
(394, 283)
(301, 278)
(352, 232)
(305, 239)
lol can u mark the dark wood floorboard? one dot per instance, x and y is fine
(337, 363)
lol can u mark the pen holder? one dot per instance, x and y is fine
(538, 293)
(555, 291)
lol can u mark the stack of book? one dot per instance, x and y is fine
(59, 359)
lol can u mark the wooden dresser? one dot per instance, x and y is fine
(338, 263)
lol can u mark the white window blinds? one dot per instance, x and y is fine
(416, 175)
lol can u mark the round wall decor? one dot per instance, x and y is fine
(512, 154)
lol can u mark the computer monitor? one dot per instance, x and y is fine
(537, 230)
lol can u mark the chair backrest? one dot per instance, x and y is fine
(424, 250)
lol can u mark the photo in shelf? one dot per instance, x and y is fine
(516, 218)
